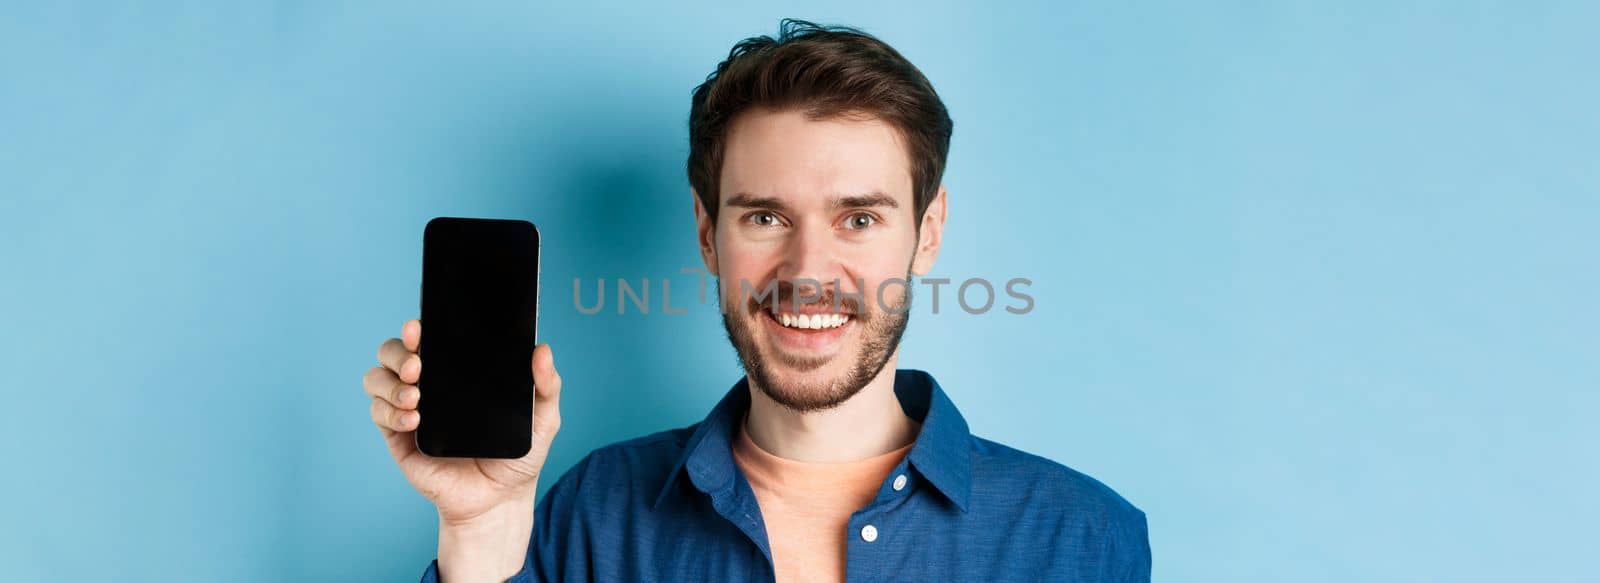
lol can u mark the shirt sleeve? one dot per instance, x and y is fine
(558, 550)
(1130, 550)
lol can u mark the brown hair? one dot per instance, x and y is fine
(829, 71)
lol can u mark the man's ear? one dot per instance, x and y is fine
(931, 235)
(705, 234)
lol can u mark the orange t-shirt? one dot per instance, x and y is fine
(807, 505)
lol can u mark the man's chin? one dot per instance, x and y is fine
(804, 396)
(806, 385)
(822, 372)
(802, 363)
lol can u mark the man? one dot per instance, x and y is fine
(815, 164)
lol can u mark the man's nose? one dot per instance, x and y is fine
(809, 262)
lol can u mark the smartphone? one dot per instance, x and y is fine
(480, 304)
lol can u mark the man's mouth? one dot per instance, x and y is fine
(816, 329)
(809, 320)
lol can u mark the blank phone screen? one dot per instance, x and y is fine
(480, 292)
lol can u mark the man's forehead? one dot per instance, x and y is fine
(805, 162)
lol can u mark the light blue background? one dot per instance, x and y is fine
(1315, 283)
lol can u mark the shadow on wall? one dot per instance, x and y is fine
(623, 211)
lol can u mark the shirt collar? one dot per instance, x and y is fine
(942, 452)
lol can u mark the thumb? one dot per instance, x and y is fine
(546, 395)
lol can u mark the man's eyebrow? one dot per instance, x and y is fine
(869, 200)
(747, 200)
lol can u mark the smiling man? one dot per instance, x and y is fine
(815, 162)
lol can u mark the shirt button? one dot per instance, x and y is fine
(869, 533)
(899, 482)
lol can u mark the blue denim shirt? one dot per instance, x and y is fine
(673, 506)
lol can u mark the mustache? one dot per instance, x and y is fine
(780, 295)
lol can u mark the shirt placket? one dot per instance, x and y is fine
(871, 531)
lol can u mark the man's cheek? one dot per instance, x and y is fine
(739, 292)
(887, 294)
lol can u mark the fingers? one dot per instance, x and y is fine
(394, 393)
(402, 362)
(397, 426)
(382, 384)
(395, 381)
(411, 334)
(392, 418)
(546, 393)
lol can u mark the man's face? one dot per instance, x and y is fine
(820, 214)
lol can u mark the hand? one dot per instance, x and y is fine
(485, 505)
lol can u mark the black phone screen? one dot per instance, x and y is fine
(480, 297)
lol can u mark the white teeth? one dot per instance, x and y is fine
(811, 321)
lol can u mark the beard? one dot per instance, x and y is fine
(881, 331)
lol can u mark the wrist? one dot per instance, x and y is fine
(491, 546)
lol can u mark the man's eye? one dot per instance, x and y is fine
(764, 219)
(859, 221)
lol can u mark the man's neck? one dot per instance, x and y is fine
(868, 424)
